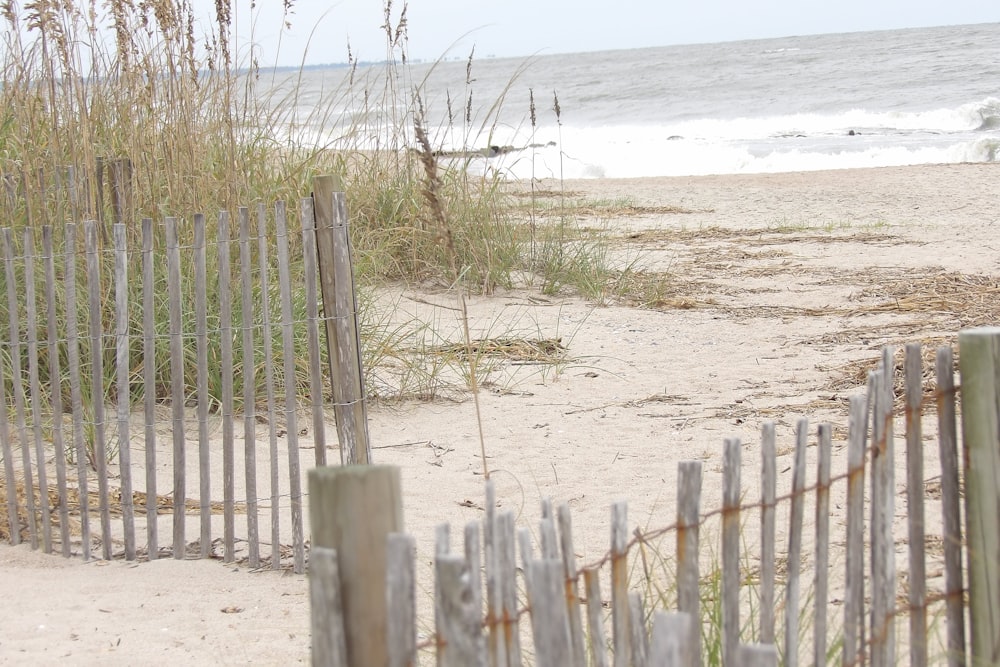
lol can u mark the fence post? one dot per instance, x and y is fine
(96, 334)
(757, 655)
(401, 619)
(917, 594)
(883, 561)
(794, 555)
(768, 493)
(340, 318)
(979, 365)
(688, 533)
(854, 595)
(353, 510)
(731, 550)
(950, 505)
(671, 641)
(621, 635)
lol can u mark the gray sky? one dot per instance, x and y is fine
(437, 28)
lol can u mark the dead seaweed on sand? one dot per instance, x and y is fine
(164, 505)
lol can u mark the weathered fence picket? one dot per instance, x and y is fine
(8, 451)
(595, 629)
(979, 363)
(731, 462)
(460, 639)
(768, 491)
(401, 622)
(34, 386)
(854, 592)
(100, 451)
(58, 444)
(312, 329)
(267, 341)
(491, 557)
(149, 386)
(794, 557)
(17, 386)
(201, 352)
(226, 371)
(123, 388)
(76, 394)
(249, 370)
(619, 584)
(822, 561)
(917, 595)
(473, 556)
(549, 622)
(637, 624)
(671, 639)
(342, 332)
(13, 525)
(291, 390)
(688, 549)
(506, 572)
(329, 641)
(177, 385)
(571, 588)
(883, 489)
(757, 655)
(950, 506)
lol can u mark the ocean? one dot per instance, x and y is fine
(869, 99)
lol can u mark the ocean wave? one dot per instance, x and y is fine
(794, 142)
(981, 115)
(989, 123)
(985, 150)
(689, 158)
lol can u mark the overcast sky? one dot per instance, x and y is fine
(437, 28)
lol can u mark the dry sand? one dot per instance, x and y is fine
(777, 292)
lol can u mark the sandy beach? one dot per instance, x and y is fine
(774, 294)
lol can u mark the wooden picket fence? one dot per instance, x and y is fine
(732, 608)
(59, 303)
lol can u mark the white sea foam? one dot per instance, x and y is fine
(688, 158)
(799, 142)
(803, 142)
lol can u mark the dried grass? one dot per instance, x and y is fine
(545, 194)
(930, 301)
(164, 505)
(855, 374)
(970, 300)
(542, 350)
(659, 291)
(611, 209)
(762, 236)
(946, 300)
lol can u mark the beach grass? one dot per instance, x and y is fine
(159, 120)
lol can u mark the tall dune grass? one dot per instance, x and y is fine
(123, 110)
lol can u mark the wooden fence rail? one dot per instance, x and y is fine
(709, 609)
(97, 325)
